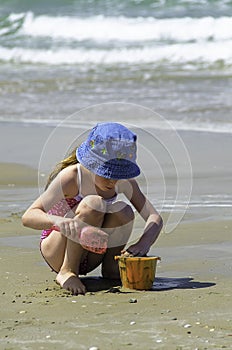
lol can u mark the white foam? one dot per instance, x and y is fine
(101, 28)
(177, 53)
(144, 40)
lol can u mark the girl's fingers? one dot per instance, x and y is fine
(137, 251)
(70, 229)
(67, 229)
(75, 232)
(62, 228)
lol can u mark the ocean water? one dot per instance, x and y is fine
(173, 57)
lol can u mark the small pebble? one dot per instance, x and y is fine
(187, 325)
(132, 323)
(22, 312)
(132, 300)
(93, 348)
(158, 341)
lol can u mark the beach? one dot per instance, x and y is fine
(189, 304)
(187, 308)
(164, 70)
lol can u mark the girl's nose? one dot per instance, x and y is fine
(113, 182)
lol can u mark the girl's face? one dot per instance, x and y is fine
(105, 184)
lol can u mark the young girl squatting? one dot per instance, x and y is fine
(80, 202)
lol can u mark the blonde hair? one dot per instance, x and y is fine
(69, 160)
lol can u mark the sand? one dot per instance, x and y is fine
(189, 306)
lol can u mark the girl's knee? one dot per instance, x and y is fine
(92, 207)
(93, 203)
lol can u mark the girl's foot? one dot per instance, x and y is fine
(71, 282)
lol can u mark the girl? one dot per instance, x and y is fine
(79, 212)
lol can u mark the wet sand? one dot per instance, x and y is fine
(189, 306)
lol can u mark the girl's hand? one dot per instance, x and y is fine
(68, 227)
(89, 237)
(142, 247)
(137, 249)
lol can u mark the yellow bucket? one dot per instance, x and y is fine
(137, 272)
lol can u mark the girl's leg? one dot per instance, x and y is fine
(67, 276)
(65, 255)
(118, 224)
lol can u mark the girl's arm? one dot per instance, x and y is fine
(152, 218)
(64, 185)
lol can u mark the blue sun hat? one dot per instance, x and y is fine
(110, 152)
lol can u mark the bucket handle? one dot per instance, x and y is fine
(117, 257)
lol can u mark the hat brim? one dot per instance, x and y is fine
(115, 168)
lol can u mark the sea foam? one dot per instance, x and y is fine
(193, 53)
(124, 29)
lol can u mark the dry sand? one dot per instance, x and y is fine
(188, 308)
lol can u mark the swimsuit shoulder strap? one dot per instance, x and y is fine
(79, 179)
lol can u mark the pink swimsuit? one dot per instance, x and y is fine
(61, 209)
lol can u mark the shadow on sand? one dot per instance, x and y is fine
(96, 284)
(165, 283)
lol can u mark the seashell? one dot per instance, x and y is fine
(187, 325)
